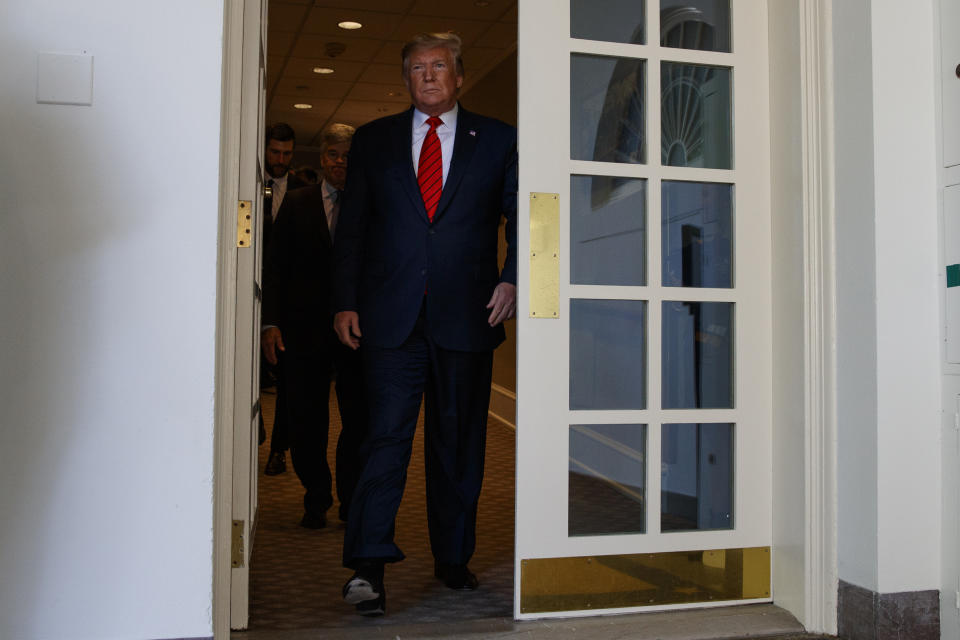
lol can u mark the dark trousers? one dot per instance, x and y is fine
(455, 386)
(305, 371)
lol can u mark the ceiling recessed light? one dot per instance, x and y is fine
(323, 70)
(302, 105)
(349, 24)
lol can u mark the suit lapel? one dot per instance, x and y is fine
(464, 144)
(403, 143)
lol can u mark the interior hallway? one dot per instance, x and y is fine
(296, 575)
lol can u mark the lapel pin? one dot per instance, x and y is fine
(473, 133)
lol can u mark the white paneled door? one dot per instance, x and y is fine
(644, 326)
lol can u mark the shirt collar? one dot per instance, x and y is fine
(449, 118)
(277, 180)
(328, 189)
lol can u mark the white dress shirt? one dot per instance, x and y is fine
(330, 197)
(279, 190)
(446, 132)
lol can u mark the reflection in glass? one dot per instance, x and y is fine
(695, 116)
(695, 24)
(614, 21)
(608, 354)
(697, 234)
(607, 479)
(696, 478)
(607, 230)
(697, 355)
(606, 109)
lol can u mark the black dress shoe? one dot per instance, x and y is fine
(276, 464)
(313, 520)
(365, 589)
(455, 576)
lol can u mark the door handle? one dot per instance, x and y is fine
(267, 192)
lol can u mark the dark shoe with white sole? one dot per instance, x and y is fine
(365, 589)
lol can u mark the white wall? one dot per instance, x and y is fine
(107, 282)
(888, 307)
(856, 296)
(908, 309)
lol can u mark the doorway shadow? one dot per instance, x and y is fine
(296, 574)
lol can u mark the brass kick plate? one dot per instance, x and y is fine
(544, 255)
(244, 224)
(644, 579)
(236, 545)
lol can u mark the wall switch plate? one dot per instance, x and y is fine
(65, 78)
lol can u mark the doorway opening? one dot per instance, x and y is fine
(353, 77)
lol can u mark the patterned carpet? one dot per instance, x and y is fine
(296, 574)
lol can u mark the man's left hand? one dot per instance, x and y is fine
(503, 303)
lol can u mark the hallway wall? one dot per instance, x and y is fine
(887, 297)
(107, 282)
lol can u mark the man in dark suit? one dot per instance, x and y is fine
(297, 334)
(419, 286)
(279, 144)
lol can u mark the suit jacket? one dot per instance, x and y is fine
(297, 271)
(388, 252)
(293, 183)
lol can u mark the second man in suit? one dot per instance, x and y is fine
(297, 335)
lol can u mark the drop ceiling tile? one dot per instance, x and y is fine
(358, 113)
(386, 6)
(477, 59)
(284, 16)
(283, 106)
(279, 42)
(510, 15)
(343, 70)
(500, 35)
(389, 54)
(382, 73)
(379, 92)
(324, 20)
(357, 49)
(306, 87)
(468, 30)
(462, 9)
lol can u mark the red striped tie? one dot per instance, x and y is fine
(430, 168)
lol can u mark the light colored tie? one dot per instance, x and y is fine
(430, 168)
(334, 210)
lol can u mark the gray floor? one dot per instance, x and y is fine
(752, 621)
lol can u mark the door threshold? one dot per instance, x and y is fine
(718, 623)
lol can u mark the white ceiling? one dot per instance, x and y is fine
(366, 83)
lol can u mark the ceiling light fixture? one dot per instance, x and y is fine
(322, 70)
(349, 24)
(302, 105)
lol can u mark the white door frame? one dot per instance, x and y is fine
(225, 414)
(819, 293)
(815, 595)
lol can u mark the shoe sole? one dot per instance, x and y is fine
(379, 610)
(359, 591)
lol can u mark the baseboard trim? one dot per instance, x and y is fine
(863, 614)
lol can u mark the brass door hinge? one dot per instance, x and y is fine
(236, 545)
(244, 224)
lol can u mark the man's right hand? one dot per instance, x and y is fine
(271, 340)
(347, 326)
